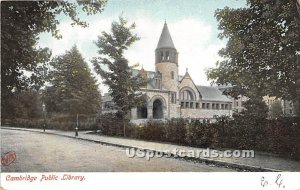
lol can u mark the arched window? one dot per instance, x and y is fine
(161, 55)
(167, 55)
(172, 74)
(187, 95)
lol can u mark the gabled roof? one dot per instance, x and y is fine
(165, 40)
(210, 93)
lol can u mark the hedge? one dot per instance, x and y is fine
(281, 136)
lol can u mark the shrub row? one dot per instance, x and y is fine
(281, 136)
(57, 122)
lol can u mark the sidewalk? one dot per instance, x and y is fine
(261, 162)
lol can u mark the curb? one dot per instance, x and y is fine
(237, 166)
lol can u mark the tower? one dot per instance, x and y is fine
(166, 61)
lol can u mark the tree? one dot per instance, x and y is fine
(25, 104)
(21, 23)
(73, 88)
(113, 67)
(260, 57)
(276, 109)
(255, 108)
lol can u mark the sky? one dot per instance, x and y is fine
(191, 23)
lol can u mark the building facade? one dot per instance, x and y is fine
(171, 95)
(287, 106)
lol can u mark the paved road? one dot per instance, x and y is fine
(38, 152)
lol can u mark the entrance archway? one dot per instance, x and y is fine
(158, 109)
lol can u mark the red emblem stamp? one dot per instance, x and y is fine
(8, 158)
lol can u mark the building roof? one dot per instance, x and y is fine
(210, 93)
(165, 40)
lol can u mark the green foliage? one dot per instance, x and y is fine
(176, 131)
(110, 125)
(279, 136)
(255, 108)
(73, 88)
(260, 56)
(59, 122)
(201, 135)
(154, 131)
(113, 67)
(21, 23)
(24, 104)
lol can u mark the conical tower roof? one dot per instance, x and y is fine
(165, 40)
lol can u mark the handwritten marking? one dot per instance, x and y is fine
(278, 182)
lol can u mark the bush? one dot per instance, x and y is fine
(176, 131)
(202, 135)
(110, 125)
(154, 131)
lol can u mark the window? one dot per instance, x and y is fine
(167, 55)
(237, 104)
(226, 106)
(157, 83)
(182, 104)
(142, 112)
(161, 56)
(222, 106)
(186, 95)
(186, 104)
(197, 105)
(172, 74)
(173, 97)
(213, 106)
(207, 106)
(191, 105)
(217, 106)
(203, 105)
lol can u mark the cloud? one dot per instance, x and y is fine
(193, 39)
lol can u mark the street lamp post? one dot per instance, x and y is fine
(76, 129)
(44, 114)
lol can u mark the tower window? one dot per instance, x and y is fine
(172, 74)
(157, 83)
(167, 55)
(161, 55)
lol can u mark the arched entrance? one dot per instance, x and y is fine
(158, 109)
